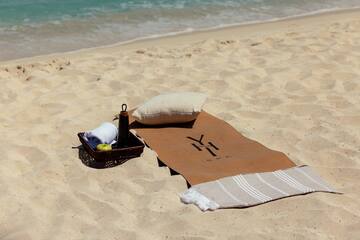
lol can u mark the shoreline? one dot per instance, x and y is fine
(202, 34)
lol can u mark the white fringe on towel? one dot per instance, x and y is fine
(194, 197)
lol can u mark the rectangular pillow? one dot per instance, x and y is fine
(179, 107)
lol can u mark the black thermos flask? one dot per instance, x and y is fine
(123, 134)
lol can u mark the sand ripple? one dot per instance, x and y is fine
(295, 90)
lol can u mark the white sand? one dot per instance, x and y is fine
(292, 85)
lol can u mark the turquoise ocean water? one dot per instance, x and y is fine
(34, 27)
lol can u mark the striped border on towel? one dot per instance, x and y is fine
(252, 189)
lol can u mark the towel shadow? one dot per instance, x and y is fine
(89, 161)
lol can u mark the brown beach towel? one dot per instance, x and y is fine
(209, 149)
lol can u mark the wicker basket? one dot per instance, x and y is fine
(134, 150)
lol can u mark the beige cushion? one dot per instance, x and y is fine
(167, 108)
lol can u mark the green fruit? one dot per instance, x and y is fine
(103, 147)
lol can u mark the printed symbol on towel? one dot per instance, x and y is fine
(199, 145)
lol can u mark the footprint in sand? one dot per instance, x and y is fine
(7, 97)
(53, 108)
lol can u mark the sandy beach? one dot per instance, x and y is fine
(292, 85)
